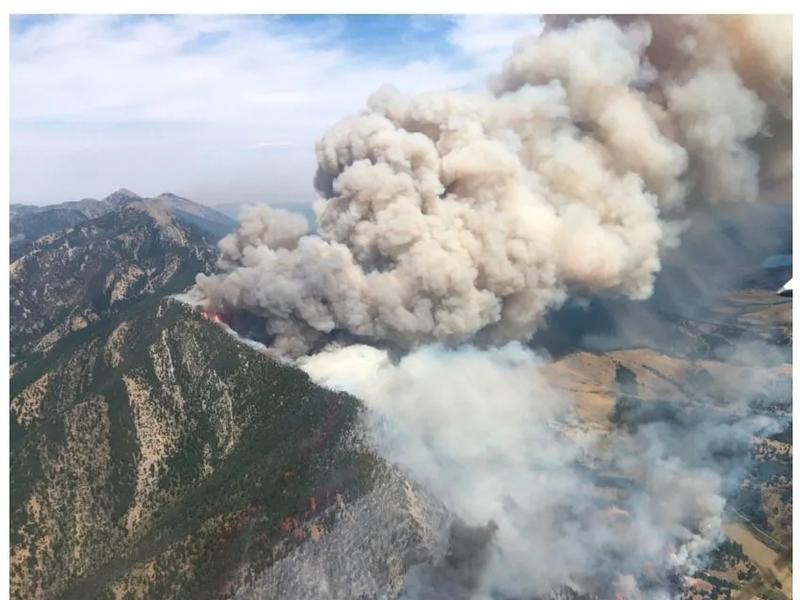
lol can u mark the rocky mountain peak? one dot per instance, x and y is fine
(121, 196)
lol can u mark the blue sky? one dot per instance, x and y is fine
(217, 108)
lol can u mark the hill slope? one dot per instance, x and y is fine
(71, 278)
(29, 223)
(155, 455)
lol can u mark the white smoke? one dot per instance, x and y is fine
(485, 432)
(453, 217)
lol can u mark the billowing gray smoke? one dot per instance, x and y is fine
(452, 222)
(452, 217)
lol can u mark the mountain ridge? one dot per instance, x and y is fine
(72, 277)
(29, 223)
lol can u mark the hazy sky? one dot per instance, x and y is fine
(219, 109)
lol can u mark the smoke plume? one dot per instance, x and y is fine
(484, 431)
(452, 217)
(451, 223)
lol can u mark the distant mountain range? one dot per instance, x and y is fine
(28, 223)
(72, 277)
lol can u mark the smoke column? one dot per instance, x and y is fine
(452, 223)
(455, 217)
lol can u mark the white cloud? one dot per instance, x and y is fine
(180, 103)
(487, 39)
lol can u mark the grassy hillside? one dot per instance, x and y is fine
(170, 444)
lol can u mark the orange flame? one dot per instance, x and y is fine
(212, 316)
